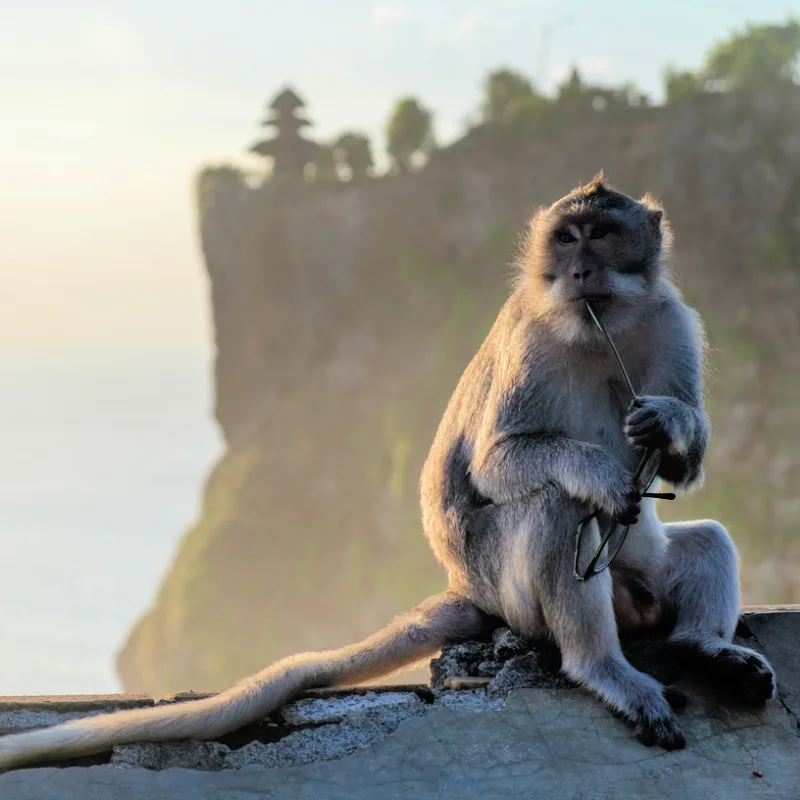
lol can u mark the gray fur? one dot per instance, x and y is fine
(537, 434)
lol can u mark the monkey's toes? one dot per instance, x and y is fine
(662, 730)
(644, 440)
(745, 674)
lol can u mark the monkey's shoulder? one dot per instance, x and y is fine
(670, 318)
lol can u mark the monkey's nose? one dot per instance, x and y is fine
(581, 275)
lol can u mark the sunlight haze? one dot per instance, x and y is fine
(109, 109)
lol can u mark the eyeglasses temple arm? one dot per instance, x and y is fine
(660, 495)
(614, 350)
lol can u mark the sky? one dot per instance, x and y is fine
(110, 108)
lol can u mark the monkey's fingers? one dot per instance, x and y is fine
(640, 421)
(645, 442)
(651, 426)
(633, 508)
(647, 437)
(640, 408)
(630, 516)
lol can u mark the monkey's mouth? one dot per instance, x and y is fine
(593, 297)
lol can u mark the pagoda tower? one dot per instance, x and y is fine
(289, 150)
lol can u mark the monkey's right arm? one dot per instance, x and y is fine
(508, 466)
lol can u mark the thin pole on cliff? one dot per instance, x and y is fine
(547, 33)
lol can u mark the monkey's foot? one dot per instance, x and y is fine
(744, 673)
(735, 672)
(654, 720)
(657, 727)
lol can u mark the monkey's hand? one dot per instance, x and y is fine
(621, 500)
(662, 422)
(509, 467)
(608, 486)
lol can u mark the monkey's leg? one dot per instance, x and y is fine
(702, 586)
(537, 583)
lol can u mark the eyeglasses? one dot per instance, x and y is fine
(612, 534)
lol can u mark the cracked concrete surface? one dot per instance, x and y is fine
(522, 736)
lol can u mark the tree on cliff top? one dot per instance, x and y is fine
(681, 84)
(758, 56)
(410, 131)
(325, 164)
(761, 55)
(507, 95)
(571, 86)
(353, 150)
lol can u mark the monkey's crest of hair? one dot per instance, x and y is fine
(645, 215)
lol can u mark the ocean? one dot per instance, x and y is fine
(102, 464)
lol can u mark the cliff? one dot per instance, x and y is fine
(345, 313)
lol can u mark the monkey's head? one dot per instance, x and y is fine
(595, 244)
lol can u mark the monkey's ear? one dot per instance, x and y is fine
(654, 217)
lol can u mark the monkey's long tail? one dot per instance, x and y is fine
(412, 636)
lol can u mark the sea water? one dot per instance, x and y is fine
(102, 463)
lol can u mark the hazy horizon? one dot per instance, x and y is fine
(110, 109)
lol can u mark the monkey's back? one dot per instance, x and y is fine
(448, 496)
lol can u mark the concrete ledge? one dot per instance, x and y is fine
(497, 721)
(19, 712)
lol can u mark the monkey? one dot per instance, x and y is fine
(536, 435)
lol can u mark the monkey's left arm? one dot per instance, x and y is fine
(670, 412)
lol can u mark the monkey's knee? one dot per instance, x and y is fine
(716, 539)
(701, 545)
(702, 581)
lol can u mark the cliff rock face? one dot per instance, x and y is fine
(345, 313)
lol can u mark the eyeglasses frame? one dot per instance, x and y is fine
(591, 570)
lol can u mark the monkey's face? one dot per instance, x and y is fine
(609, 257)
(599, 245)
(602, 258)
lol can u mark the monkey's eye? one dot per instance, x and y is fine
(548, 277)
(565, 237)
(599, 232)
